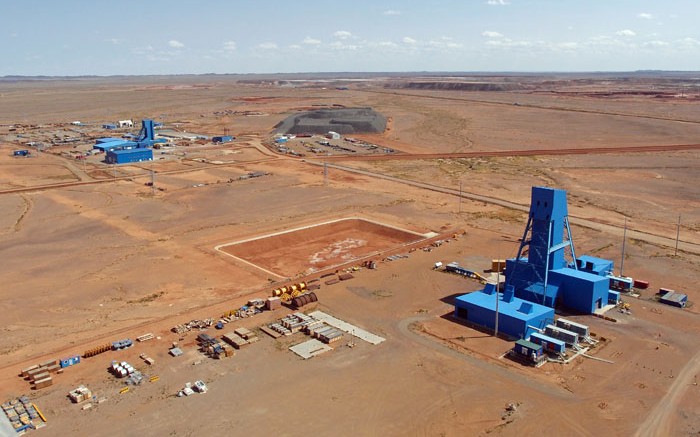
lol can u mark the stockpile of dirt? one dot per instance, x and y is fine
(458, 86)
(342, 120)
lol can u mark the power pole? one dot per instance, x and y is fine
(153, 182)
(460, 197)
(498, 286)
(325, 174)
(678, 234)
(624, 237)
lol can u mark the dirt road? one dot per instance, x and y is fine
(659, 240)
(659, 420)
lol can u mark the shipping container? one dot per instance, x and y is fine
(527, 349)
(675, 299)
(548, 343)
(70, 361)
(569, 325)
(621, 283)
(642, 285)
(564, 335)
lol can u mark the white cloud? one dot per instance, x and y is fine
(645, 15)
(387, 44)
(391, 12)
(655, 44)
(444, 44)
(497, 2)
(491, 34)
(342, 34)
(311, 41)
(625, 32)
(142, 50)
(268, 46)
(114, 41)
(688, 42)
(507, 43)
(295, 47)
(230, 45)
(408, 40)
(175, 44)
(337, 45)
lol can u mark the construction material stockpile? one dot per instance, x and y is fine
(342, 120)
(304, 299)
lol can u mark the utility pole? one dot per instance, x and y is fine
(153, 182)
(678, 234)
(498, 286)
(460, 197)
(325, 174)
(624, 237)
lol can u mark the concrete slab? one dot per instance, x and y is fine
(310, 349)
(347, 327)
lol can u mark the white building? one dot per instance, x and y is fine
(125, 123)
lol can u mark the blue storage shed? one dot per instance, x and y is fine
(109, 126)
(516, 317)
(222, 139)
(548, 343)
(70, 361)
(128, 156)
(528, 349)
(675, 299)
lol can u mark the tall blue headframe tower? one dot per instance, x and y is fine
(545, 270)
(545, 274)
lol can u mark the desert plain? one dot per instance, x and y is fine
(92, 253)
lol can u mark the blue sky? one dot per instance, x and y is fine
(71, 37)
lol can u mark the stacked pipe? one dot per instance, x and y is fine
(304, 299)
(289, 292)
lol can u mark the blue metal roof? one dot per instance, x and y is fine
(517, 308)
(108, 140)
(128, 151)
(600, 265)
(590, 277)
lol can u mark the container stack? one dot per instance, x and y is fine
(241, 337)
(325, 333)
(80, 394)
(39, 375)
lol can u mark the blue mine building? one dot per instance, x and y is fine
(546, 272)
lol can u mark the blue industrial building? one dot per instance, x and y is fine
(121, 151)
(130, 155)
(115, 144)
(546, 276)
(516, 317)
(550, 276)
